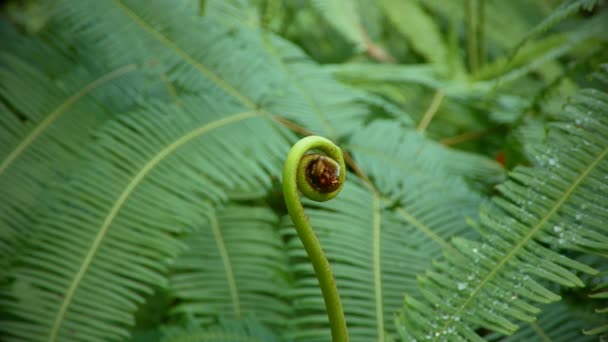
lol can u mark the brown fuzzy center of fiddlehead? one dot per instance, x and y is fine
(323, 174)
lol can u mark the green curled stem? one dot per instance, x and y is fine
(320, 178)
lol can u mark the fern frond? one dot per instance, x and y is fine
(419, 28)
(393, 232)
(507, 21)
(41, 132)
(563, 11)
(424, 74)
(600, 292)
(375, 253)
(251, 69)
(345, 17)
(111, 230)
(561, 203)
(225, 331)
(367, 250)
(391, 154)
(550, 49)
(312, 97)
(234, 267)
(556, 323)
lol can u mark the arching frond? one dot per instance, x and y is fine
(393, 232)
(230, 61)
(564, 10)
(561, 203)
(376, 254)
(599, 292)
(315, 99)
(41, 131)
(370, 260)
(235, 267)
(555, 323)
(225, 331)
(419, 28)
(391, 154)
(345, 17)
(506, 22)
(111, 232)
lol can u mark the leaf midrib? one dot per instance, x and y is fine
(56, 113)
(377, 220)
(121, 200)
(184, 55)
(221, 246)
(215, 77)
(305, 95)
(527, 237)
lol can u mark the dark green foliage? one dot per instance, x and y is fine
(142, 143)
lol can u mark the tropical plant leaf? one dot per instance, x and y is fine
(599, 292)
(225, 331)
(166, 162)
(506, 22)
(345, 17)
(141, 145)
(564, 10)
(313, 98)
(234, 267)
(369, 272)
(560, 203)
(393, 231)
(391, 154)
(41, 132)
(265, 82)
(556, 323)
(549, 50)
(375, 255)
(420, 29)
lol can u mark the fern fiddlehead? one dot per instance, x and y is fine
(320, 178)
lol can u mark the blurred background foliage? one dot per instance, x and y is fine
(119, 223)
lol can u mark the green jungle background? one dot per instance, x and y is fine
(142, 143)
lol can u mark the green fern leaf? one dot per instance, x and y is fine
(234, 267)
(600, 292)
(391, 154)
(313, 98)
(506, 21)
(379, 240)
(111, 230)
(419, 28)
(253, 70)
(41, 132)
(556, 323)
(225, 331)
(560, 203)
(548, 50)
(344, 16)
(564, 10)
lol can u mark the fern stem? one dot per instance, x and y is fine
(481, 48)
(430, 112)
(471, 39)
(201, 7)
(299, 174)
